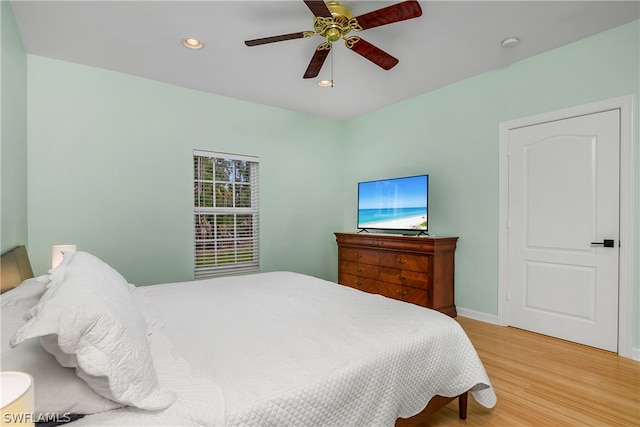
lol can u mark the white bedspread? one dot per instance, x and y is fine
(288, 349)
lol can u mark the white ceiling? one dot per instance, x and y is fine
(451, 41)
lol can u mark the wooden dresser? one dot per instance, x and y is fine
(418, 270)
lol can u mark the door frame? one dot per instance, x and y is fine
(626, 105)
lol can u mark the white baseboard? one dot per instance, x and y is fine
(635, 355)
(477, 315)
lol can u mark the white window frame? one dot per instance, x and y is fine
(242, 253)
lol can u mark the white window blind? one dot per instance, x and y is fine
(225, 213)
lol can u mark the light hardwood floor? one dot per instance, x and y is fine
(543, 381)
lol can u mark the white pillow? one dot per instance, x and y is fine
(57, 390)
(88, 321)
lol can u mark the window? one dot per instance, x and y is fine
(225, 213)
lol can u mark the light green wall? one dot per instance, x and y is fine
(452, 134)
(13, 133)
(110, 169)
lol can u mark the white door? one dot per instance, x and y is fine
(563, 205)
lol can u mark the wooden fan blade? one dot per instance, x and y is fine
(389, 15)
(273, 39)
(371, 52)
(317, 61)
(318, 8)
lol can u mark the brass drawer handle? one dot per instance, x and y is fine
(358, 256)
(402, 293)
(401, 277)
(401, 261)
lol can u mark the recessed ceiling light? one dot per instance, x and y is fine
(510, 42)
(325, 83)
(192, 43)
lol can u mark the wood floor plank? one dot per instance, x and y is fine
(544, 381)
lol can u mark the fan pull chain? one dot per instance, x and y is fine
(331, 67)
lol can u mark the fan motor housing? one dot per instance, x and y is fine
(337, 8)
(337, 26)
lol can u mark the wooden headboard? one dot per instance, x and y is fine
(14, 268)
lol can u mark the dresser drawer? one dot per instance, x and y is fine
(411, 244)
(359, 255)
(397, 276)
(357, 240)
(363, 283)
(404, 293)
(359, 269)
(404, 261)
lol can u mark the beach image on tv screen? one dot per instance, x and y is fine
(393, 204)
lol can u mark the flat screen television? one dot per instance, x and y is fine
(394, 204)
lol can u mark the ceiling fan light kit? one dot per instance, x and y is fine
(334, 21)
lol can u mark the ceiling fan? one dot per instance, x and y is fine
(334, 21)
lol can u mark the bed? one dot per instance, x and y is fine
(276, 348)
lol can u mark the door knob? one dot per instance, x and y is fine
(607, 243)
